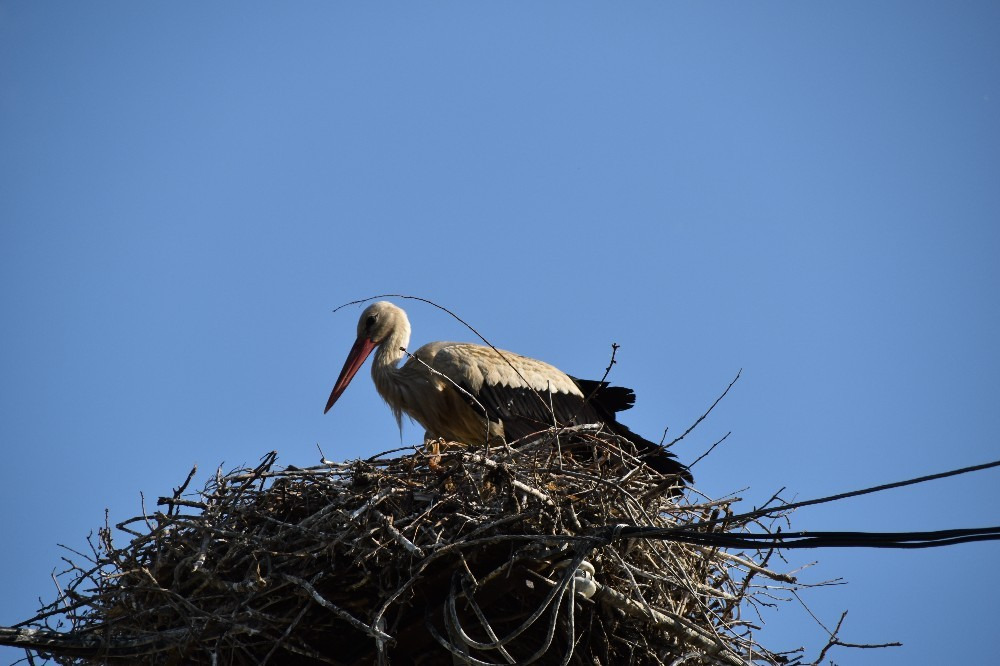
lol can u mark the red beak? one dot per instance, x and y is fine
(359, 352)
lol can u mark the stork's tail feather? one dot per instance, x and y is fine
(605, 397)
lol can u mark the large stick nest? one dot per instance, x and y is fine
(433, 557)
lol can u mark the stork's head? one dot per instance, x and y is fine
(383, 320)
(381, 323)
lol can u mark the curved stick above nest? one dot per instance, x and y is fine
(476, 394)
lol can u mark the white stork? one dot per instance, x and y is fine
(458, 390)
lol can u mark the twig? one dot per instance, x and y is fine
(709, 450)
(336, 610)
(707, 412)
(834, 640)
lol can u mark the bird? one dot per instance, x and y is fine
(476, 394)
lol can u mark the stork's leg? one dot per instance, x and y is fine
(432, 445)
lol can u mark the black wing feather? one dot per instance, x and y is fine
(524, 412)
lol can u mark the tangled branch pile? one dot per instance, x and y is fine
(433, 557)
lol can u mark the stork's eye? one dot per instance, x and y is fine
(370, 321)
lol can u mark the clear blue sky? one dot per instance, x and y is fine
(807, 191)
